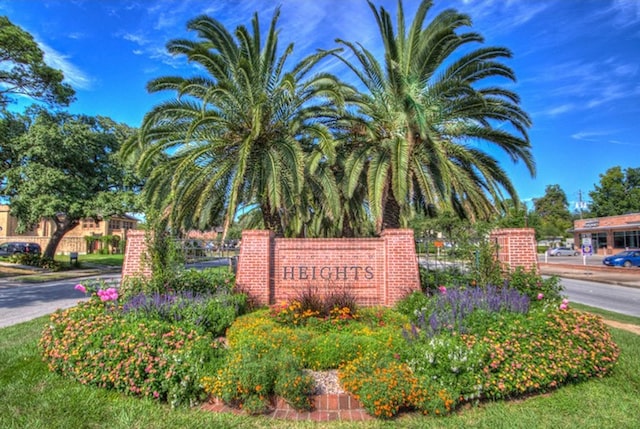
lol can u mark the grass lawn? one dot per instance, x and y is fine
(32, 397)
(8, 271)
(94, 258)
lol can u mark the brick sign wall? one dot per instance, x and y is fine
(377, 271)
(516, 247)
(135, 260)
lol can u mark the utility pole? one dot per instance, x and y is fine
(580, 203)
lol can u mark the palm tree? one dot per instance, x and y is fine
(423, 114)
(246, 134)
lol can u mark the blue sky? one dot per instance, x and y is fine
(577, 63)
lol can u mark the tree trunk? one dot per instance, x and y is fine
(271, 220)
(391, 212)
(62, 227)
(347, 229)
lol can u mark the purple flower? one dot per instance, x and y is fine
(80, 288)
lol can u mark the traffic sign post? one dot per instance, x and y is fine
(587, 250)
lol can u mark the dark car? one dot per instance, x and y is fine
(33, 248)
(15, 247)
(628, 258)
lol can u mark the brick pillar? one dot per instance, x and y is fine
(254, 265)
(516, 247)
(402, 276)
(135, 261)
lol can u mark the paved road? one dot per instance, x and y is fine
(621, 299)
(20, 302)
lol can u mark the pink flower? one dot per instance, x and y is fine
(540, 296)
(110, 294)
(563, 306)
(565, 301)
(80, 288)
(442, 289)
(156, 394)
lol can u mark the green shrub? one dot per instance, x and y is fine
(250, 377)
(379, 317)
(431, 280)
(544, 350)
(413, 304)
(212, 312)
(532, 284)
(449, 363)
(94, 345)
(332, 349)
(34, 260)
(381, 383)
(487, 269)
(207, 281)
(249, 329)
(246, 380)
(386, 362)
(293, 384)
(210, 280)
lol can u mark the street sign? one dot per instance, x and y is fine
(587, 249)
(586, 241)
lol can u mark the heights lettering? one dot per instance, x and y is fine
(327, 273)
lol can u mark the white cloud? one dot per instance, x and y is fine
(601, 138)
(589, 135)
(627, 11)
(72, 74)
(558, 110)
(607, 94)
(138, 39)
(590, 84)
(626, 69)
(509, 14)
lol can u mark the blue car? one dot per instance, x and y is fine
(628, 258)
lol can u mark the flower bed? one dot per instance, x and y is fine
(431, 354)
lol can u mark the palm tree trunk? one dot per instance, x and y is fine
(272, 220)
(391, 212)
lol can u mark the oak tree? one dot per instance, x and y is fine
(23, 70)
(69, 168)
(618, 193)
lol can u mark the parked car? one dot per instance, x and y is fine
(628, 258)
(563, 251)
(33, 248)
(14, 247)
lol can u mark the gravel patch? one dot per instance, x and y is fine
(326, 381)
